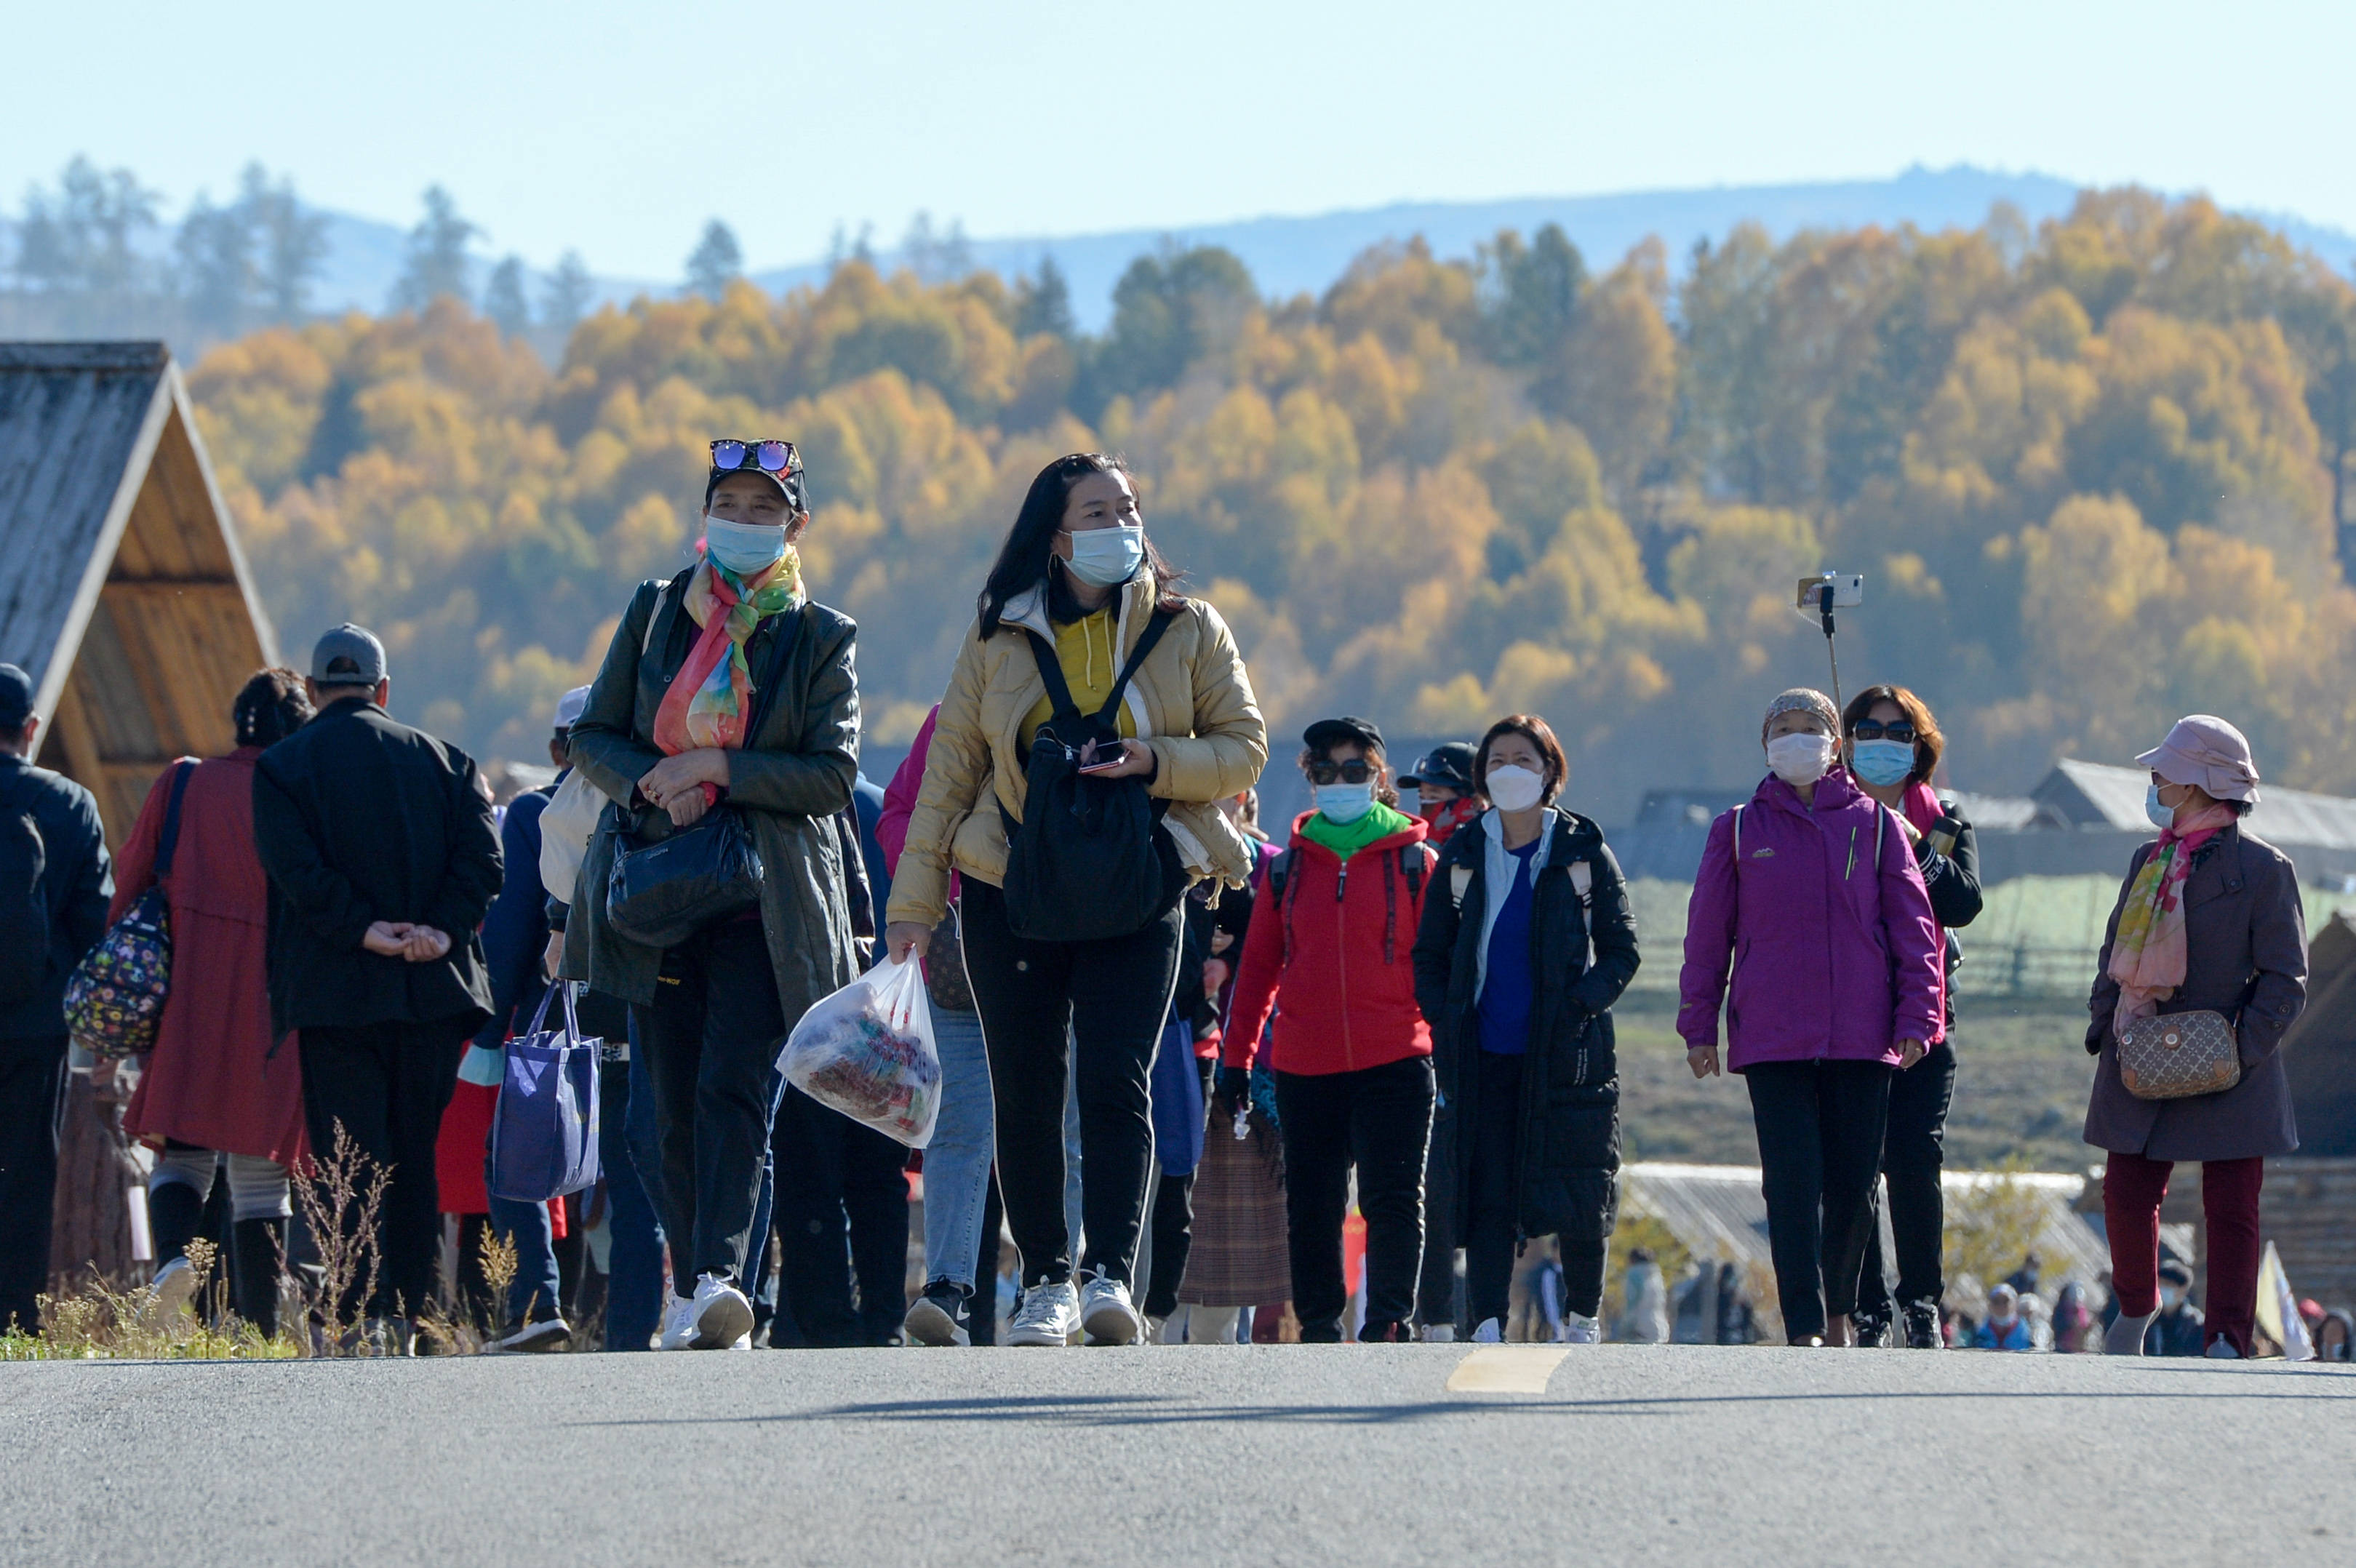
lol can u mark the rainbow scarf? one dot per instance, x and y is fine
(710, 698)
(2149, 953)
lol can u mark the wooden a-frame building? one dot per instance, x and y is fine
(124, 596)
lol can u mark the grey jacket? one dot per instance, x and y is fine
(790, 781)
(2246, 934)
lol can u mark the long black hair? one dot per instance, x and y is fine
(1023, 560)
(271, 707)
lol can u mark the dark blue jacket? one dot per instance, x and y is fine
(77, 883)
(867, 799)
(515, 934)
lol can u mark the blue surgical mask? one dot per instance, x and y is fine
(2162, 816)
(1344, 802)
(1107, 558)
(746, 548)
(1883, 762)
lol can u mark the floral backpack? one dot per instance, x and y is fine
(114, 999)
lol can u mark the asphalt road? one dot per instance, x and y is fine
(1175, 1456)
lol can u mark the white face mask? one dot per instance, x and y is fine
(1107, 558)
(1800, 759)
(1512, 788)
(1344, 802)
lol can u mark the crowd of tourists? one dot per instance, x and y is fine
(1349, 1077)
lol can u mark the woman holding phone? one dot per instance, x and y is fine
(1152, 676)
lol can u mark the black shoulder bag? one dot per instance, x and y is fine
(660, 894)
(1083, 865)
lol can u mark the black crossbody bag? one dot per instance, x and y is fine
(1083, 864)
(660, 894)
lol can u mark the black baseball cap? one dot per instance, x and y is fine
(1328, 731)
(15, 697)
(1450, 766)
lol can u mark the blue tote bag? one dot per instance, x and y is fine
(544, 1134)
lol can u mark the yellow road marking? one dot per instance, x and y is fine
(1506, 1368)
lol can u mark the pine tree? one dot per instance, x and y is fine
(716, 261)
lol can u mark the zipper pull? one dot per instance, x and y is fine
(1341, 881)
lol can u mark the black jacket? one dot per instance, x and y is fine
(1570, 1144)
(360, 818)
(1952, 881)
(77, 883)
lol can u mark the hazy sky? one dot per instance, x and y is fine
(620, 128)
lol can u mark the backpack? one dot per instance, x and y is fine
(24, 912)
(1083, 864)
(1411, 861)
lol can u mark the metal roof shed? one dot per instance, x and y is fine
(123, 591)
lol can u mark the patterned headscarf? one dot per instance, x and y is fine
(1802, 697)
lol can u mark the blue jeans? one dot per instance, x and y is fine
(534, 1295)
(633, 1289)
(957, 1162)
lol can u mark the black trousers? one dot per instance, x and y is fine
(1912, 1151)
(387, 1085)
(711, 1043)
(32, 1112)
(841, 1218)
(1380, 1119)
(1435, 1296)
(1173, 1227)
(1820, 1128)
(1092, 1010)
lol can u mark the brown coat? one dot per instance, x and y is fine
(2246, 934)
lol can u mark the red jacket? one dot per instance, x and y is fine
(1333, 956)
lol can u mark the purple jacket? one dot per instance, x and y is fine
(1830, 960)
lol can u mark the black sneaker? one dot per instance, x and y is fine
(1923, 1326)
(1870, 1330)
(939, 1316)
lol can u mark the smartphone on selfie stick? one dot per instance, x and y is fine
(1824, 593)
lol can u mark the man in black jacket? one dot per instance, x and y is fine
(55, 883)
(382, 859)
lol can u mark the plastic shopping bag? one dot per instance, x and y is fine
(867, 1051)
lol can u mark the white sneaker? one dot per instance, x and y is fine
(1107, 1315)
(1440, 1333)
(548, 1334)
(723, 1317)
(1491, 1332)
(1578, 1330)
(2223, 1350)
(679, 1323)
(168, 1298)
(1050, 1314)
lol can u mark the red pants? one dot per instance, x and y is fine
(2133, 1186)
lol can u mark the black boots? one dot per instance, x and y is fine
(254, 1250)
(176, 1213)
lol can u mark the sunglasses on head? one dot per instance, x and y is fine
(769, 456)
(1356, 771)
(1901, 730)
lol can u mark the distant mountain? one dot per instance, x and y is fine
(1296, 255)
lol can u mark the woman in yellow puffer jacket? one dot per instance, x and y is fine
(1078, 577)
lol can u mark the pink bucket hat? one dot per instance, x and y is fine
(2206, 750)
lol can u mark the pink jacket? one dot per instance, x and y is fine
(1831, 961)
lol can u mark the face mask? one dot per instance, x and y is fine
(2162, 816)
(745, 549)
(1512, 788)
(1883, 762)
(1800, 759)
(2170, 1295)
(1344, 802)
(1107, 558)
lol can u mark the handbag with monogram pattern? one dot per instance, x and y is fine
(2176, 1055)
(114, 998)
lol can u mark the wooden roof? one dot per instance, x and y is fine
(123, 591)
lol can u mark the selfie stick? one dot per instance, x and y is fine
(1825, 613)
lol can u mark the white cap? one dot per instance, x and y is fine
(569, 707)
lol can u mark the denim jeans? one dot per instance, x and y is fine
(957, 1162)
(535, 1295)
(633, 1288)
